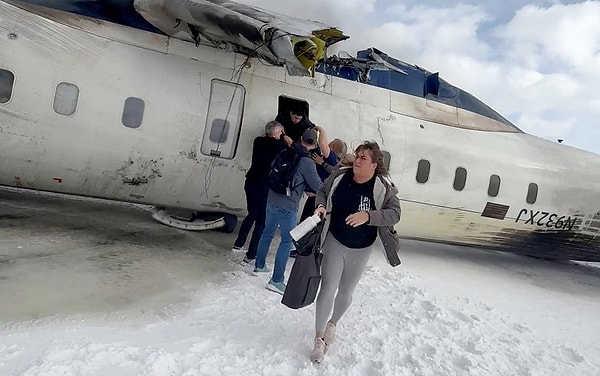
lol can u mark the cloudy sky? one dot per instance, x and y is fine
(535, 62)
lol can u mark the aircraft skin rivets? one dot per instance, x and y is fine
(12, 36)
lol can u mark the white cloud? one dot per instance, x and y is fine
(429, 32)
(540, 69)
(548, 92)
(555, 52)
(549, 129)
(334, 12)
(443, 40)
(566, 34)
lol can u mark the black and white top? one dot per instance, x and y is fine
(348, 198)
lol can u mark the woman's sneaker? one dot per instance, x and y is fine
(329, 335)
(319, 350)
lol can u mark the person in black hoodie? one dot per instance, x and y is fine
(264, 151)
(295, 123)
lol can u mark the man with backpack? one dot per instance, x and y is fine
(292, 172)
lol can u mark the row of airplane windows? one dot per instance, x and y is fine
(66, 98)
(223, 123)
(460, 179)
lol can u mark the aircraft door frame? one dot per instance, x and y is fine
(224, 118)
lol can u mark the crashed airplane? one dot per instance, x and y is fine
(157, 102)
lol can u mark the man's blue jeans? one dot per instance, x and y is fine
(286, 219)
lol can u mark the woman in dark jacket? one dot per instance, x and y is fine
(360, 204)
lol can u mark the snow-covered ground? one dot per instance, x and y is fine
(94, 288)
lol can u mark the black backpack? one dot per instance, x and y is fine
(283, 169)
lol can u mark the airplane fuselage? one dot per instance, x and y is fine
(103, 110)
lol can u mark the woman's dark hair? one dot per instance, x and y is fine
(376, 155)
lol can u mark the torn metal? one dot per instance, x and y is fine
(374, 67)
(281, 40)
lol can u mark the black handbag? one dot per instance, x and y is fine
(305, 277)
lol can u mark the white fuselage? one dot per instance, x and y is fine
(164, 162)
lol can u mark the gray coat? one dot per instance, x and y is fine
(384, 217)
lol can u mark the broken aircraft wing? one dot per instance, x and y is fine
(280, 40)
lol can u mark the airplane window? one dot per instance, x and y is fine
(133, 112)
(219, 130)
(423, 171)
(460, 179)
(494, 186)
(532, 192)
(65, 99)
(7, 80)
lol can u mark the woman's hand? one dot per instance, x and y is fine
(321, 211)
(357, 219)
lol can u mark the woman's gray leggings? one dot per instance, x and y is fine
(341, 270)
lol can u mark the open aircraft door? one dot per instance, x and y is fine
(223, 119)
